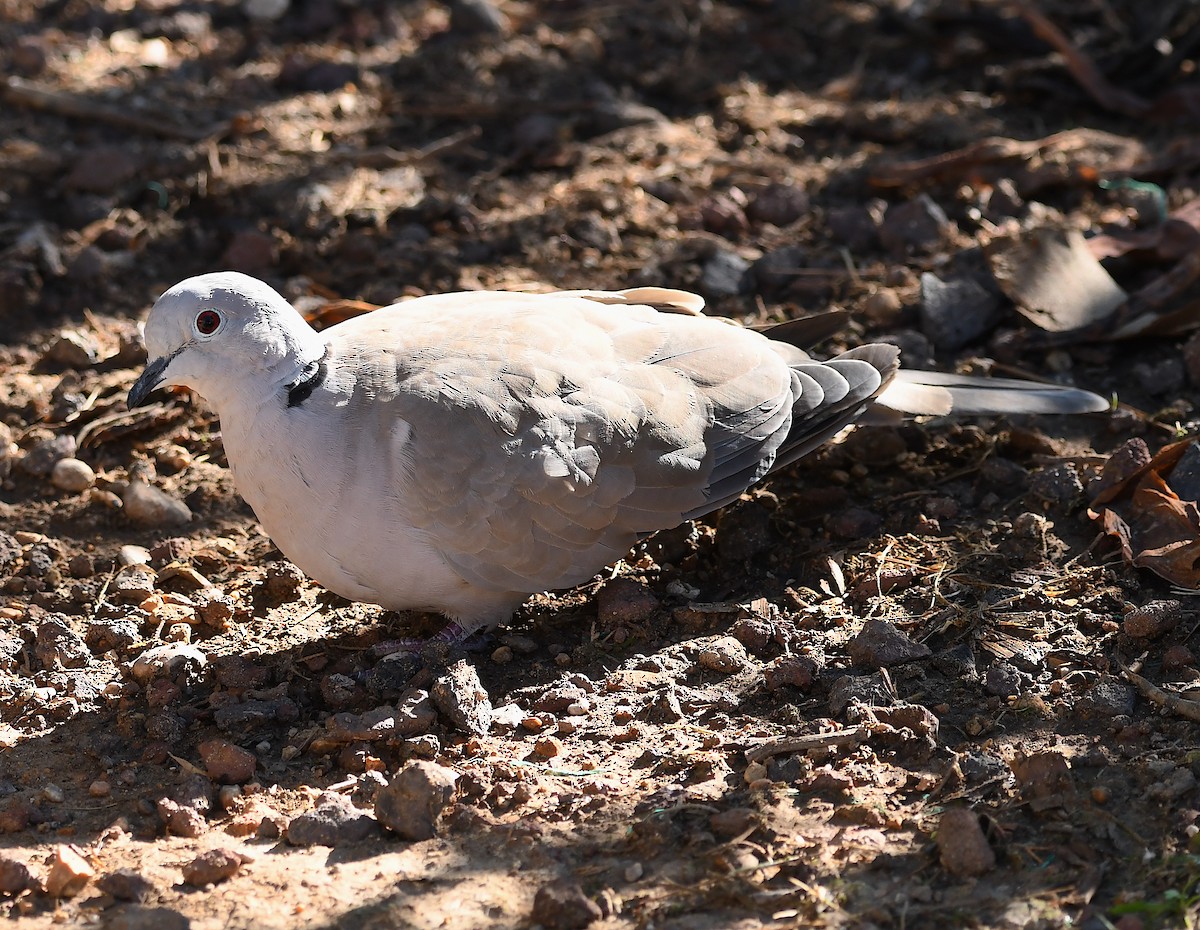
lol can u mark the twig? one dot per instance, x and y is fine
(1189, 710)
(1082, 68)
(79, 106)
(386, 156)
(791, 744)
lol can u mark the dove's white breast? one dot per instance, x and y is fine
(341, 518)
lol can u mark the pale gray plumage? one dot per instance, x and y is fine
(459, 452)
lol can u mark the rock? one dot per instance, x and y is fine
(623, 600)
(1191, 358)
(126, 885)
(1001, 472)
(562, 905)
(135, 917)
(956, 311)
(778, 204)
(796, 671)
(882, 306)
(756, 634)
(962, 845)
(476, 17)
(265, 10)
(724, 274)
(334, 822)
(915, 348)
(1176, 658)
(772, 273)
(1153, 619)
(1109, 697)
(184, 813)
(15, 876)
(213, 866)
(723, 214)
(1185, 476)
(226, 763)
(173, 660)
(725, 655)
(665, 707)
(1058, 484)
(257, 818)
(59, 646)
(916, 225)
(29, 56)
(880, 644)
(69, 873)
(1044, 777)
(1163, 378)
(872, 690)
(148, 506)
(133, 555)
(412, 803)
(42, 456)
(101, 169)
(72, 475)
(854, 523)
(248, 716)
(1004, 680)
(462, 700)
(857, 228)
(733, 822)
(281, 582)
(134, 584)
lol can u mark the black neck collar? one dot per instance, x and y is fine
(310, 379)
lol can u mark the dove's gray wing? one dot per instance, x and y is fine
(546, 434)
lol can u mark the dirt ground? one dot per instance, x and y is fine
(884, 690)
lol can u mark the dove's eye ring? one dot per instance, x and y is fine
(208, 322)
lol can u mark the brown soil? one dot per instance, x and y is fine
(758, 722)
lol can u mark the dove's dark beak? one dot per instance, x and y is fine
(150, 379)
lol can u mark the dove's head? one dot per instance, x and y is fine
(216, 331)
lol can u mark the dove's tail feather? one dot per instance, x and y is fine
(933, 393)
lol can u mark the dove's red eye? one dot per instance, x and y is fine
(207, 322)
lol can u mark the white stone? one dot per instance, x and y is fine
(72, 475)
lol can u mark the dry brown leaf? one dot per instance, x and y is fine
(1153, 526)
(1054, 279)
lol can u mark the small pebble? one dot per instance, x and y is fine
(725, 655)
(149, 506)
(562, 905)
(15, 876)
(503, 655)
(72, 475)
(411, 804)
(755, 771)
(548, 747)
(962, 845)
(212, 867)
(99, 788)
(69, 873)
(1153, 619)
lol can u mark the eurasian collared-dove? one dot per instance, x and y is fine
(459, 452)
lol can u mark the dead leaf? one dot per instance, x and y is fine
(1054, 279)
(1154, 527)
